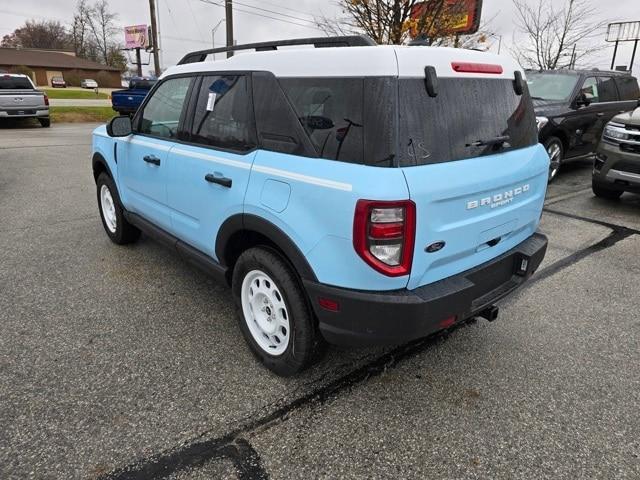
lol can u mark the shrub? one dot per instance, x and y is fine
(24, 70)
(103, 79)
(72, 78)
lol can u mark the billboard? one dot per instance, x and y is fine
(450, 17)
(623, 32)
(135, 36)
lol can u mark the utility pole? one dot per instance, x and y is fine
(154, 36)
(228, 9)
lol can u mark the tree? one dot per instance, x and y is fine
(556, 36)
(101, 23)
(79, 31)
(38, 34)
(392, 21)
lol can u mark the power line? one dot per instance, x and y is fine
(282, 7)
(211, 2)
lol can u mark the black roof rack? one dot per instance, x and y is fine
(318, 42)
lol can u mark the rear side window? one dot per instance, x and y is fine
(15, 83)
(347, 119)
(224, 114)
(628, 87)
(608, 90)
(466, 119)
(161, 114)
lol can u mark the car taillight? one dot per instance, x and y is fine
(384, 234)
(46, 100)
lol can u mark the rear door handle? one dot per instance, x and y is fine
(224, 181)
(600, 114)
(151, 159)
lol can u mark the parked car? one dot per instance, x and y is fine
(88, 83)
(58, 82)
(127, 101)
(345, 194)
(573, 106)
(617, 162)
(20, 99)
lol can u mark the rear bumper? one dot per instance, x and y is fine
(385, 318)
(26, 112)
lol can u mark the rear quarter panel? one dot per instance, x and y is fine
(313, 201)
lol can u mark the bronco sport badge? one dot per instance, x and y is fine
(499, 199)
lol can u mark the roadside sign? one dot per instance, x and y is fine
(135, 36)
(623, 32)
(453, 16)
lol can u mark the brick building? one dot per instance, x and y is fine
(45, 64)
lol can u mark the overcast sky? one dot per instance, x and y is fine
(186, 25)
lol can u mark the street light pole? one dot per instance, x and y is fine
(213, 36)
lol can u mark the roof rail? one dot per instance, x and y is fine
(317, 42)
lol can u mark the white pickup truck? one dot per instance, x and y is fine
(19, 98)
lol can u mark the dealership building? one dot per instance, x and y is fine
(45, 64)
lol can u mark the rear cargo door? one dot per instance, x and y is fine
(474, 169)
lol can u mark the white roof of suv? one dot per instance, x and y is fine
(383, 60)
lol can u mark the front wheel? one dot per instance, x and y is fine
(273, 312)
(112, 214)
(555, 150)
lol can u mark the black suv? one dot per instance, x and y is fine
(573, 106)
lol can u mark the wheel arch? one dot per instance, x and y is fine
(100, 165)
(242, 231)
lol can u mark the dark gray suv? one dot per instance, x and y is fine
(617, 163)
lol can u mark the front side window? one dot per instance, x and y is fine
(469, 117)
(590, 90)
(161, 114)
(224, 114)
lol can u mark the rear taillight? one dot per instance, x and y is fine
(384, 234)
(46, 100)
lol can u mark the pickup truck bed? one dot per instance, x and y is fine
(127, 101)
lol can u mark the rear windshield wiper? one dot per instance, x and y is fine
(490, 141)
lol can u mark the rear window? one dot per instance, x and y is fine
(470, 117)
(15, 83)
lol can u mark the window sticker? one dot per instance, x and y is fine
(211, 101)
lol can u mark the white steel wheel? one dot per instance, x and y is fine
(265, 312)
(108, 209)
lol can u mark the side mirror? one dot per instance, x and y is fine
(119, 126)
(583, 101)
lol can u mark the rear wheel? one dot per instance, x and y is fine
(274, 315)
(45, 122)
(555, 150)
(603, 192)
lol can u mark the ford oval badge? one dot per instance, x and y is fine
(434, 247)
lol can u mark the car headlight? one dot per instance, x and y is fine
(615, 131)
(541, 122)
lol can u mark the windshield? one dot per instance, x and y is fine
(551, 86)
(15, 83)
(469, 117)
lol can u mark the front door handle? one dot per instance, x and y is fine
(600, 114)
(151, 159)
(224, 181)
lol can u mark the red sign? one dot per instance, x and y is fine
(446, 16)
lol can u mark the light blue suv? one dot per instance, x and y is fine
(356, 194)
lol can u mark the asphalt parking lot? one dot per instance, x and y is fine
(125, 362)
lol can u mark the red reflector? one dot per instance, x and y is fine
(447, 322)
(329, 304)
(465, 67)
(386, 230)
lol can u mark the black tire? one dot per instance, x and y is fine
(123, 232)
(554, 144)
(603, 192)
(305, 344)
(45, 122)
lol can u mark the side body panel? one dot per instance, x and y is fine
(313, 201)
(199, 207)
